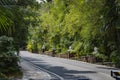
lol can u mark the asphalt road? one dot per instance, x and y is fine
(65, 69)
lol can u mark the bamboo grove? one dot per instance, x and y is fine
(81, 24)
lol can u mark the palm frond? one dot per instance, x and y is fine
(5, 19)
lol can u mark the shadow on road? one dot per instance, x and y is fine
(61, 71)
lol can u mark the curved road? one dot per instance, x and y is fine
(65, 69)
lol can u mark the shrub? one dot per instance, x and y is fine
(115, 56)
(8, 59)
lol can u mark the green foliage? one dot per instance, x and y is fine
(8, 63)
(82, 24)
(5, 19)
(115, 56)
(15, 18)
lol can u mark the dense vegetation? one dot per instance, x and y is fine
(13, 33)
(81, 24)
(8, 59)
